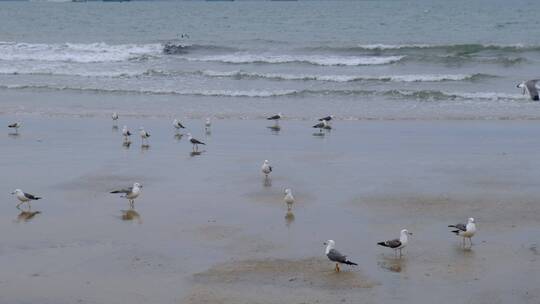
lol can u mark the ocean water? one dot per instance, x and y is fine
(355, 59)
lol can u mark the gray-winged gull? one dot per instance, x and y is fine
(323, 125)
(530, 87)
(289, 198)
(178, 125)
(195, 142)
(126, 133)
(465, 231)
(144, 136)
(114, 116)
(335, 256)
(15, 126)
(266, 168)
(130, 193)
(24, 197)
(327, 118)
(397, 244)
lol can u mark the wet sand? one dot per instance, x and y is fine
(207, 229)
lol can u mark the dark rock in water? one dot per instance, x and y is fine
(171, 48)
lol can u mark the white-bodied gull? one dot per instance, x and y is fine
(144, 136)
(130, 193)
(323, 125)
(266, 168)
(195, 142)
(207, 124)
(24, 197)
(178, 125)
(126, 133)
(531, 88)
(114, 116)
(335, 256)
(397, 244)
(15, 126)
(465, 231)
(289, 198)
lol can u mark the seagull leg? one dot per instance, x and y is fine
(19, 205)
(337, 267)
(400, 255)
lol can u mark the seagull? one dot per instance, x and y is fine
(275, 118)
(397, 244)
(144, 136)
(114, 116)
(24, 197)
(335, 256)
(207, 124)
(195, 142)
(15, 126)
(327, 118)
(288, 199)
(530, 87)
(130, 193)
(266, 168)
(323, 125)
(465, 231)
(178, 125)
(126, 133)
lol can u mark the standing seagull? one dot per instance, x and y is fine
(266, 168)
(195, 142)
(126, 133)
(335, 256)
(322, 125)
(130, 193)
(15, 126)
(114, 116)
(144, 136)
(275, 118)
(178, 125)
(397, 244)
(207, 124)
(465, 231)
(24, 197)
(530, 87)
(327, 118)
(288, 199)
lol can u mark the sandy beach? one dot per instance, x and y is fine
(206, 228)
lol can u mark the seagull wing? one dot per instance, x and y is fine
(197, 142)
(531, 87)
(336, 256)
(274, 117)
(327, 118)
(31, 196)
(395, 243)
(460, 226)
(13, 125)
(125, 190)
(319, 125)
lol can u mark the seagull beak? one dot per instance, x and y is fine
(325, 243)
(410, 233)
(12, 192)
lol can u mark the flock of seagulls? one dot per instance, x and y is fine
(465, 231)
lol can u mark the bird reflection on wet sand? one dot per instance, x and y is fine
(26, 216)
(393, 264)
(131, 215)
(178, 136)
(267, 182)
(275, 129)
(196, 153)
(289, 218)
(126, 144)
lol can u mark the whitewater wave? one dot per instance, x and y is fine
(77, 52)
(348, 78)
(324, 60)
(421, 95)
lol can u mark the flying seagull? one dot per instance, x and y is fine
(266, 168)
(114, 116)
(322, 125)
(130, 193)
(126, 133)
(327, 118)
(530, 87)
(195, 142)
(465, 231)
(288, 199)
(144, 136)
(397, 244)
(178, 125)
(24, 197)
(335, 256)
(15, 126)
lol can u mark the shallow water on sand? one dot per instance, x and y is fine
(207, 229)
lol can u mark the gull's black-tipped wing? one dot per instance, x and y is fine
(391, 243)
(197, 142)
(336, 256)
(327, 118)
(31, 196)
(460, 226)
(531, 87)
(125, 190)
(274, 117)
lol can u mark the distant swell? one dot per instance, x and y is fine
(421, 95)
(464, 48)
(323, 60)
